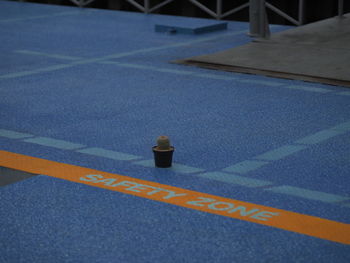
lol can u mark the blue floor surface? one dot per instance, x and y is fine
(95, 88)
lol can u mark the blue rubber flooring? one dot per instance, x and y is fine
(95, 88)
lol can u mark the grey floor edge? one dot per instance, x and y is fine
(10, 176)
(317, 52)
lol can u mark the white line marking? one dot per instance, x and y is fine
(245, 166)
(307, 194)
(235, 179)
(41, 54)
(109, 154)
(60, 144)
(14, 135)
(280, 152)
(319, 137)
(38, 17)
(306, 88)
(114, 56)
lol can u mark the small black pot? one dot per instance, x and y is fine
(163, 158)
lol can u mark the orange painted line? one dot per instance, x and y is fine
(268, 216)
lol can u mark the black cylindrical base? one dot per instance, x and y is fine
(163, 159)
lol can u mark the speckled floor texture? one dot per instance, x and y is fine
(95, 88)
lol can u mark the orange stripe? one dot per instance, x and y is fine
(290, 221)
